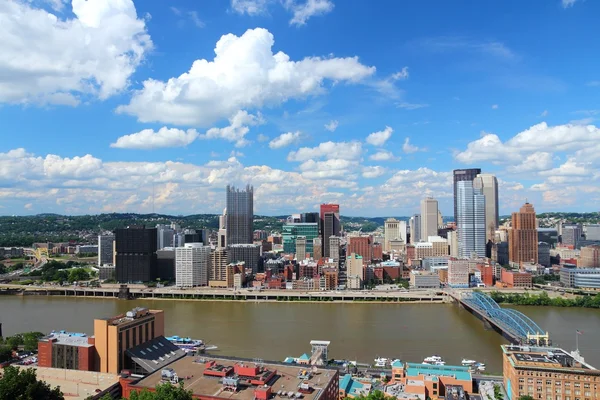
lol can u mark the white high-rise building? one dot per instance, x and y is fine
(470, 224)
(222, 236)
(488, 184)
(393, 230)
(105, 249)
(429, 218)
(415, 228)
(192, 262)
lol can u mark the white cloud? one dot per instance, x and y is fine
(409, 148)
(149, 139)
(285, 140)
(329, 150)
(537, 161)
(401, 75)
(333, 168)
(28, 206)
(593, 83)
(383, 155)
(262, 138)
(332, 125)
(379, 138)
(373, 171)
(193, 16)
(48, 60)
(494, 106)
(309, 8)
(568, 3)
(236, 131)
(245, 74)
(571, 167)
(250, 7)
(544, 113)
(411, 106)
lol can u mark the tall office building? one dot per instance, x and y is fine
(218, 273)
(192, 262)
(165, 235)
(135, 254)
(291, 231)
(240, 215)
(522, 238)
(415, 228)
(311, 217)
(429, 218)
(334, 247)
(105, 249)
(355, 268)
(300, 248)
(571, 235)
(249, 254)
(317, 248)
(488, 184)
(393, 230)
(222, 233)
(470, 224)
(330, 224)
(361, 245)
(460, 175)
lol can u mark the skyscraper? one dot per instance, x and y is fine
(429, 218)
(462, 175)
(192, 262)
(135, 254)
(471, 220)
(415, 228)
(488, 184)
(522, 238)
(330, 224)
(393, 230)
(300, 248)
(105, 249)
(240, 215)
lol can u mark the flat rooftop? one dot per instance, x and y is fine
(547, 358)
(76, 384)
(460, 373)
(190, 371)
(67, 338)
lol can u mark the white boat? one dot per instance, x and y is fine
(186, 343)
(440, 363)
(466, 362)
(433, 360)
(480, 367)
(381, 362)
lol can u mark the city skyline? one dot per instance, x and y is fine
(164, 120)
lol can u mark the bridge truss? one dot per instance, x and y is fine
(515, 322)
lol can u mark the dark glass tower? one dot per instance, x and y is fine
(135, 254)
(240, 215)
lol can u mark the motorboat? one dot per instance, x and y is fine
(186, 343)
(381, 362)
(434, 360)
(467, 362)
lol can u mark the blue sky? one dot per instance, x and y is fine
(370, 104)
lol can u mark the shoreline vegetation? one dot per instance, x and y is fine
(542, 299)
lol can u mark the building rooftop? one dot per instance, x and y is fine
(207, 375)
(67, 338)
(76, 385)
(460, 373)
(155, 354)
(550, 358)
(130, 316)
(351, 386)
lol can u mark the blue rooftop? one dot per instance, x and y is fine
(397, 364)
(460, 373)
(349, 385)
(304, 357)
(289, 360)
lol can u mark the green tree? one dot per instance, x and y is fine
(3, 269)
(30, 340)
(525, 398)
(163, 391)
(14, 341)
(22, 384)
(5, 353)
(375, 395)
(78, 274)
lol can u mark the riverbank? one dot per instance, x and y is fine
(542, 299)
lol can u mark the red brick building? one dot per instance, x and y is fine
(67, 350)
(516, 279)
(377, 251)
(363, 246)
(487, 274)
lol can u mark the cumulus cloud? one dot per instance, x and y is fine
(285, 140)
(332, 125)
(373, 171)
(149, 139)
(302, 11)
(333, 168)
(538, 161)
(45, 59)
(383, 155)
(245, 74)
(409, 148)
(329, 150)
(379, 138)
(236, 131)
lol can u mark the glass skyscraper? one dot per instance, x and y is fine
(293, 230)
(240, 215)
(470, 222)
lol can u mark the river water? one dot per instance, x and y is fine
(272, 331)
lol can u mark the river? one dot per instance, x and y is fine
(272, 331)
